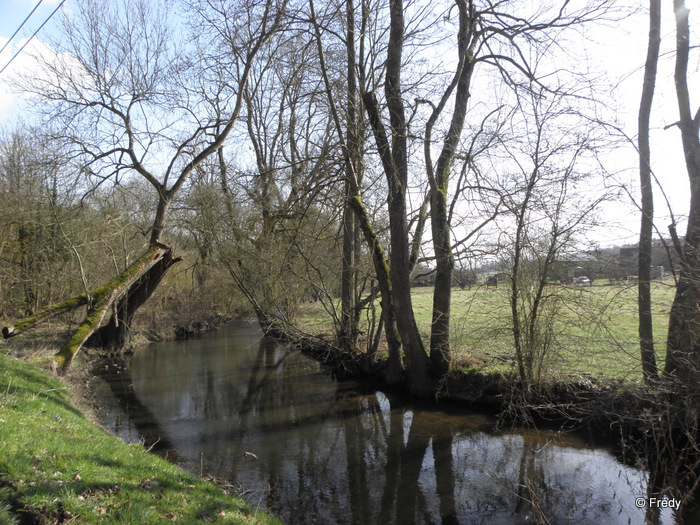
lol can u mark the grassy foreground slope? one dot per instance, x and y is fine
(55, 466)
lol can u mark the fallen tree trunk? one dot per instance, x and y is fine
(113, 335)
(123, 295)
(47, 313)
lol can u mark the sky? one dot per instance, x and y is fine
(617, 51)
(12, 13)
(621, 52)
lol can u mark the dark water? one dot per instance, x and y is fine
(243, 408)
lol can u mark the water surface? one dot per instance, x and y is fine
(243, 408)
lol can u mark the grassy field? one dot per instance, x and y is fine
(595, 328)
(57, 466)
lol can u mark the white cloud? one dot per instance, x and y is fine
(12, 101)
(7, 99)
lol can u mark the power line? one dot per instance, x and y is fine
(33, 35)
(21, 26)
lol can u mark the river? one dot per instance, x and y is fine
(248, 410)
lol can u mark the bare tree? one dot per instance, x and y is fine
(550, 151)
(487, 35)
(393, 373)
(348, 330)
(439, 180)
(683, 352)
(121, 87)
(646, 333)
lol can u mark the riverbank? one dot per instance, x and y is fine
(582, 402)
(640, 422)
(57, 466)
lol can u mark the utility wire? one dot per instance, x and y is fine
(21, 26)
(33, 35)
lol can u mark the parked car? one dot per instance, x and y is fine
(582, 280)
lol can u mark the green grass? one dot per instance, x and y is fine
(57, 465)
(595, 327)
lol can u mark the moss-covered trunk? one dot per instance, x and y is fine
(124, 295)
(47, 313)
(114, 334)
(127, 291)
(394, 371)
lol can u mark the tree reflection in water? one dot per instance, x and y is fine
(330, 452)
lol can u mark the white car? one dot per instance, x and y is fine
(582, 280)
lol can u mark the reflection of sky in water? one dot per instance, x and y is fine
(329, 454)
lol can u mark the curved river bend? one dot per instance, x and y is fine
(243, 408)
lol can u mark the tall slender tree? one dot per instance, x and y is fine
(354, 169)
(683, 346)
(393, 152)
(646, 333)
(394, 370)
(487, 35)
(439, 180)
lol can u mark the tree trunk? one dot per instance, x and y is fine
(134, 280)
(114, 334)
(47, 313)
(347, 333)
(394, 371)
(161, 215)
(395, 162)
(514, 303)
(683, 347)
(646, 334)
(129, 290)
(348, 326)
(440, 352)
(416, 359)
(415, 356)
